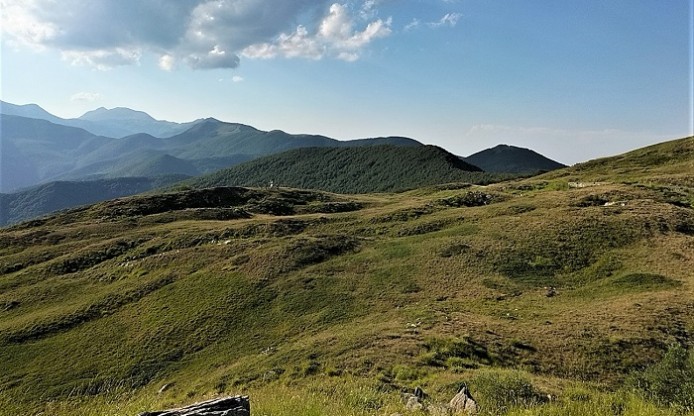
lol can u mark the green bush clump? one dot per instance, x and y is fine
(669, 382)
(498, 392)
(439, 351)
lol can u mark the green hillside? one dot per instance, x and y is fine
(351, 170)
(667, 168)
(55, 196)
(157, 166)
(545, 298)
(668, 163)
(512, 159)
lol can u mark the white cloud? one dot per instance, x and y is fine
(85, 97)
(336, 36)
(368, 10)
(200, 33)
(293, 45)
(414, 24)
(237, 78)
(449, 19)
(103, 59)
(167, 62)
(18, 19)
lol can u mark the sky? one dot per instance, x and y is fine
(573, 80)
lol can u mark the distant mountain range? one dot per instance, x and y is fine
(116, 123)
(37, 151)
(511, 159)
(105, 145)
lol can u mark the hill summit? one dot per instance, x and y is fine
(351, 170)
(118, 113)
(512, 159)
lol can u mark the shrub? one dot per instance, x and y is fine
(440, 350)
(669, 382)
(498, 392)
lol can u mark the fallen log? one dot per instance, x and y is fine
(227, 406)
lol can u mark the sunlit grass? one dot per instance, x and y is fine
(338, 313)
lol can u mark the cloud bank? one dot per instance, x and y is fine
(201, 34)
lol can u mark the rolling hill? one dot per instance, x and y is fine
(53, 196)
(544, 297)
(668, 163)
(350, 170)
(510, 159)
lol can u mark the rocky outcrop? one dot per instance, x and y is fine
(463, 403)
(227, 406)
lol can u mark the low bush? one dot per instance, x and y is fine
(499, 392)
(669, 382)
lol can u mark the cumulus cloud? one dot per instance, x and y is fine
(336, 36)
(202, 34)
(85, 97)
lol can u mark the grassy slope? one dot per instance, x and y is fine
(328, 310)
(351, 170)
(669, 163)
(53, 196)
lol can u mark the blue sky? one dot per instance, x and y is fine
(573, 80)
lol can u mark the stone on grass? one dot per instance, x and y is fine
(463, 403)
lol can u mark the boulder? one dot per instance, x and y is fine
(463, 403)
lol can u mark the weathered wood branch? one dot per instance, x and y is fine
(227, 406)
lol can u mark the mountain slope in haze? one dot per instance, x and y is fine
(116, 123)
(55, 196)
(29, 111)
(350, 170)
(511, 159)
(132, 122)
(118, 113)
(213, 138)
(317, 303)
(41, 151)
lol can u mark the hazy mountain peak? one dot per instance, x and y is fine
(26, 110)
(117, 113)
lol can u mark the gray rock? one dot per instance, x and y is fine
(227, 406)
(463, 403)
(412, 403)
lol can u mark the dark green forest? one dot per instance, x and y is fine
(352, 170)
